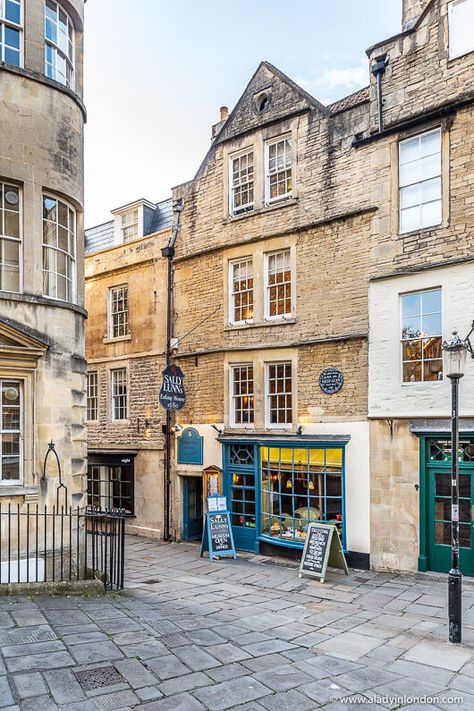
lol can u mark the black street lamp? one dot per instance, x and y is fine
(455, 353)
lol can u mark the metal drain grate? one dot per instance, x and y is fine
(97, 678)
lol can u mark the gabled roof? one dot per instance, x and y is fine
(285, 98)
(20, 344)
(361, 96)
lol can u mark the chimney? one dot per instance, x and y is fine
(224, 115)
(411, 11)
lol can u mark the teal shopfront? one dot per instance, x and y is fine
(277, 486)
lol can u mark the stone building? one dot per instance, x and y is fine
(307, 228)
(126, 286)
(42, 315)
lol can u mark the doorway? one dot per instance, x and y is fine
(193, 508)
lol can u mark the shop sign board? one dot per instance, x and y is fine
(331, 380)
(190, 446)
(322, 549)
(172, 394)
(217, 536)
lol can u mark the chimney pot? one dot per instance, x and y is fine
(224, 111)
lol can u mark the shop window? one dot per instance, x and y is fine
(119, 394)
(420, 181)
(10, 237)
(421, 336)
(110, 488)
(242, 395)
(243, 499)
(278, 170)
(11, 424)
(241, 291)
(241, 183)
(59, 249)
(59, 44)
(242, 454)
(118, 311)
(298, 487)
(278, 284)
(461, 26)
(10, 32)
(279, 395)
(92, 395)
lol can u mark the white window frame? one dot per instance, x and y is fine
(72, 256)
(114, 395)
(248, 207)
(420, 183)
(58, 50)
(286, 196)
(128, 220)
(232, 294)
(112, 314)
(423, 382)
(234, 398)
(4, 23)
(4, 238)
(20, 431)
(455, 53)
(279, 425)
(268, 286)
(92, 395)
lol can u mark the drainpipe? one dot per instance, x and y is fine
(378, 70)
(168, 253)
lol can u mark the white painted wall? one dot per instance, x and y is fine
(388, 396)
(357, 472)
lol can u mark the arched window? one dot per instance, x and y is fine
(10, 32)
(59, 249)
(59, 44)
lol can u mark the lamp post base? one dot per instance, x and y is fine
(455, 605)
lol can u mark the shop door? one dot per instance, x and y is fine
(192, 508)
(240, 490)
(439, 508)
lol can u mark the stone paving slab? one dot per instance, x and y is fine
(245, 634)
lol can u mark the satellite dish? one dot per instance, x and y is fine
(11, 197)
(11, 394)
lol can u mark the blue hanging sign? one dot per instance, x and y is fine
(190, 446)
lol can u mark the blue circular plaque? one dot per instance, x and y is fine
(331, 380)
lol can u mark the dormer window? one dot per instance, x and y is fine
(130, 225)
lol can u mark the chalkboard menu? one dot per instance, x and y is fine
(331, 380)
(322, 548)
(217, 535)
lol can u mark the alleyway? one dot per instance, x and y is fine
(248, 634)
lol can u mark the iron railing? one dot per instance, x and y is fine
(62, 544)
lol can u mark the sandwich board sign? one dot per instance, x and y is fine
(217, 535)
(322, 549)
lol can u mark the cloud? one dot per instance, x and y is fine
(330, 83)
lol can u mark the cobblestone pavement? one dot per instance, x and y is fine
(248, 634)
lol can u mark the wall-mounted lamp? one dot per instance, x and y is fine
(215, 427)
(177, 427)
(299, 431)
(147, 423)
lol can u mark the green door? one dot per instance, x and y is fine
(438, 524)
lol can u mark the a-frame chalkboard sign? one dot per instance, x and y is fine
(322, 549)
(217, 535)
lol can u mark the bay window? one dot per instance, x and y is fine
(10, 32)
(59, 249)
(59, 44)
(10, 237)
(421, 336)
(420, 181)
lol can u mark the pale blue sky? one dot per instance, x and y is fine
(157, 71)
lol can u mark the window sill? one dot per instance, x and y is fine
(286, 202)
(119, 339)
(421, 231)
(30, 492)
(261, 324)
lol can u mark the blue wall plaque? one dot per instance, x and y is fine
(190, 447)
